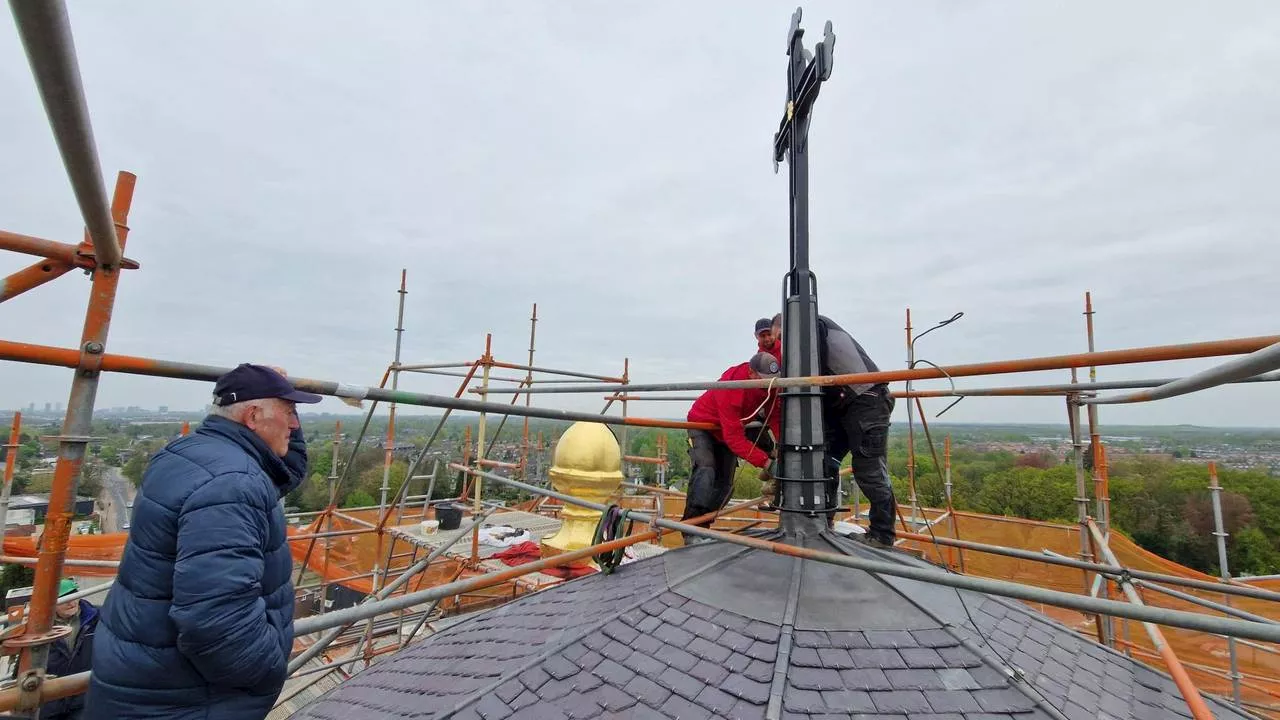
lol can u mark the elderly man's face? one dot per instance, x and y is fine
(272, 419)
(68, 610)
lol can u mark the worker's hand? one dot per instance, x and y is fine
(279, 370)
(767, 488)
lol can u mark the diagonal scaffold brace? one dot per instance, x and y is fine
(809, 489)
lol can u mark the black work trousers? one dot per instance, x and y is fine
(712, 466)
(860, 426)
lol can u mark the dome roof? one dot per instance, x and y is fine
(720, 631)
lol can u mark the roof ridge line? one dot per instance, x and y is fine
(782, 663)
(538, 659)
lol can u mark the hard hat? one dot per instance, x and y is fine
(67, 586)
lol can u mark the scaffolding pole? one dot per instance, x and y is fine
(72, 443)
(1199, 709)
(46, 36)
(1264, 360)
(10, 457)
(1127, 356)
(528, 399)
(1220, 535)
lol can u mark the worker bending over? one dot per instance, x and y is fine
(713, 454)
(856, 421)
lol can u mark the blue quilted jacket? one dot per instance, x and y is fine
(200, 621)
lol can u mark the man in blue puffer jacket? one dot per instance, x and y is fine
(200, 621)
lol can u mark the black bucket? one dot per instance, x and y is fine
(450, 516)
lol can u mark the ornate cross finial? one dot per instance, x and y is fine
(809, 489)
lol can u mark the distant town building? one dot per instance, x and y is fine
(31, 509)
(164, 408)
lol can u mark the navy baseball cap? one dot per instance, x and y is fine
(763, 324)
(765, 364)
(255, 382)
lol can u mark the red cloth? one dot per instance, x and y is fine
(526, 552)
(571, 572)
(732, 407)
(775, 350)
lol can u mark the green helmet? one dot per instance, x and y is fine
(67, 586)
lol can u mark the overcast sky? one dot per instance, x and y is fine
(611, 162)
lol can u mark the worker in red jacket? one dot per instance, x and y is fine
(713, 454)
(767, 339)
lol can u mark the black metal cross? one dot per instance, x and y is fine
(808, 486)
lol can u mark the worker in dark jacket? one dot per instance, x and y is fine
(70, 654)
(200, 621)
(856, 421)
(713, 454)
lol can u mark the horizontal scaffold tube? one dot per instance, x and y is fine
(1261, 361)
(67, 357)
(1160, 616)
(1064, 388)
(1159, 353)
(1055, 559)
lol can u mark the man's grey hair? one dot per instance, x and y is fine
(234, 411)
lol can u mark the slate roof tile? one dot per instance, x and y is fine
(762, 631)
(621, 632)
(743, 710)
(680, 683)
(958, 679)
(672, 635)
(883, 659)
(934, 638)
(743, 687)
(922, 658)
(900, 701)
(648, 691)
(611, 698)
(1003, 700)
(559, 667)
(958, 657)
(676, 658)
(890, 639)
(848, 639)
(491, 708)
(1085, 697)
(709, 672)
(951, 701)
(703, 628)
(815, 679)
(543, 711)
(759, 671)
(836, 658)
(715, 700)
(647, 665)
(679, 707)
(798, 699)
(525, 699)
(708, 650)
(866, 679)
(734, 640)
(848, 701)
(613, 673)
(761, 650)
(810, 639)
(805, 657)
(738, 662)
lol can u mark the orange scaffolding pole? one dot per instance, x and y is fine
(33, 644)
